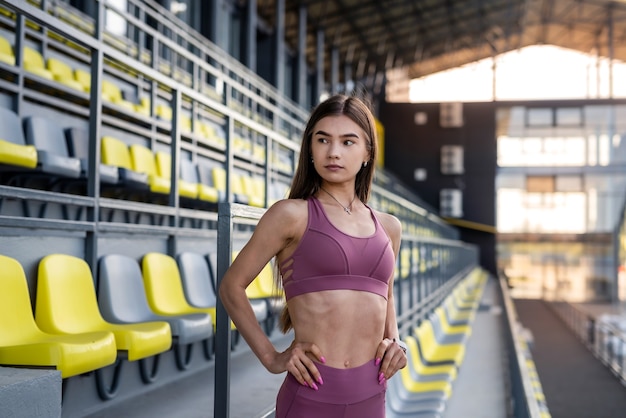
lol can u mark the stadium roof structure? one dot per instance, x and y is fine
(427, 36)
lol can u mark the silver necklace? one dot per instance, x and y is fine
(347, 209)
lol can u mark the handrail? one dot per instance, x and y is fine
(524, 392)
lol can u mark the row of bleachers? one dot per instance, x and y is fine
(436, 348)
(135, 309)
(199, 124)
(188, 112)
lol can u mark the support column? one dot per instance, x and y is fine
(319, 66)
(279, 75)
(250, 40)
(347, 77)
(301, 58)
(218, 31)
(609, 34)
(334, 70)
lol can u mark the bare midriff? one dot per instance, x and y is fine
(347, 325)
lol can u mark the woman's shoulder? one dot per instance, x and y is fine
(392, 224)
(288, 209)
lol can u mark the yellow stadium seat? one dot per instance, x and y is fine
(164, 163)
(237, 188)
(6, 52)
(33, 63)
(13, 148)
(143, 107)
(22, 343)
(84, 78)
(112, 93)
(254, 189)
(164, 288)
(115, 152)
(63, 73)
(164, 112)
(67, 304)
(434, 352)
(144, 161)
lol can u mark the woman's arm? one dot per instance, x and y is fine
(275, 231)
(392, 357)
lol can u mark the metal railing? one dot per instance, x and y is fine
(526, 389)
(439, 265)
(603, 335)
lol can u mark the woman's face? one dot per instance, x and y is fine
(339, 148)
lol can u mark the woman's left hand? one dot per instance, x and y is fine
(390, 357)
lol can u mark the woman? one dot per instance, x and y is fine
(336, 258)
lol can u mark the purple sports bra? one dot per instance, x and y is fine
(328, 259)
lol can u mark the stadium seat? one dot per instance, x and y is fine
(115, 152)
(164, 164)
(22, 343)
(122, 299)
(164, 287)
(34, 63)
(254, 189)
(264, 287)
(63, 73)
(397, 404)
(447, 333)
(13, 148)
(435, 353)
(189, 173)
(144, 161)
(112, 93)
(421, 371)
(6, 52)
(49, 140)
(78, 147)
(236, 184)
(141, 105)
(206, 177)
(66, 303)
(83, 78)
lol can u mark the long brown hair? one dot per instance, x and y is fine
(307, 182)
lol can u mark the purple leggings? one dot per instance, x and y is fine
(346, 393)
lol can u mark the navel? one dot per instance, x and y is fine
(346, 364)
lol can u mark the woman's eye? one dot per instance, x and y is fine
(348, 142)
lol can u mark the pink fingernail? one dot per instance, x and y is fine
(320, 381)
(377, 361)
(381, 376)
(323, 359)
(314, 386)
(305, 384)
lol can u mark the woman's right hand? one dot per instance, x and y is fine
(297, 360)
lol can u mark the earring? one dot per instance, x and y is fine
(311, 159)
(364, 164)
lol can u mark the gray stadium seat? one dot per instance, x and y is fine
(122, 299)
(199, 287)
(52, 154)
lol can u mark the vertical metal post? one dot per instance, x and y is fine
(95, 121)
(319, 65)
(301, 63)
(609, 35)
(334, 69)
(279, 70)
(251, 23)
(221, 404)
(173, 198)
